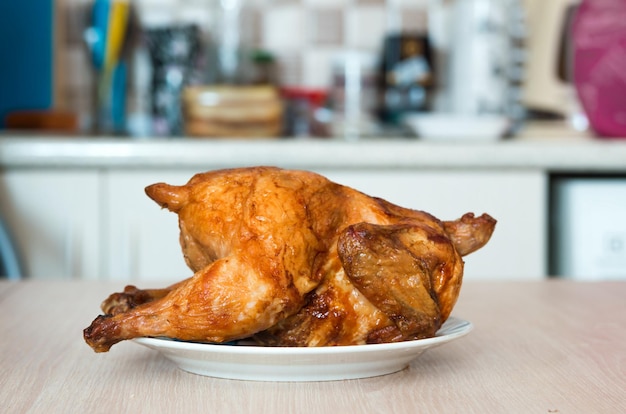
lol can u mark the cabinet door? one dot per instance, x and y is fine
(517, 199)
(141, 239)
(589, 228)
(53, 216)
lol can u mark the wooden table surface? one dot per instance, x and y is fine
(537, 347)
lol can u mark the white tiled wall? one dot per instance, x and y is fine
(303, 34)
(365, 27)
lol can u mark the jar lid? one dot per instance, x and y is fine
(316, 96)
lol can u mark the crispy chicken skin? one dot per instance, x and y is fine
(293, 259)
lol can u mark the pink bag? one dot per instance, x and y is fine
(599, 46)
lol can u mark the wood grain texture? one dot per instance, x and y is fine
(537, 347)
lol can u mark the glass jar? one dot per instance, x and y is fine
(354, 94)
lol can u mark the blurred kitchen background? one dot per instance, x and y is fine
(479, 74)
(344, 67)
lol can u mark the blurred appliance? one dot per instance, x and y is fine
(589, 227)
(479, 44)
(547, 85)
(407, 76)
(599, 59)
(479, 52)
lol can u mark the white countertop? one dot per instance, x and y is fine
(552, 149)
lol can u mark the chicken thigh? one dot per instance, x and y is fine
(290, 258)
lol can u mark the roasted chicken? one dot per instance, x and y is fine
(289, 258)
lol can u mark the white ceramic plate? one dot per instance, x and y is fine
(248, 362)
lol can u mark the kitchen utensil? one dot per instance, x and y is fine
(96, 34)
(109, 38)
(173, 52)
(116, 32)
(547, 86)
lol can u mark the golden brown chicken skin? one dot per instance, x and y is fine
(293, 259)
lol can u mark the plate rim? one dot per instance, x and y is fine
(456, 326)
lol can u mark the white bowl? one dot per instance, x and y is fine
(457, 127)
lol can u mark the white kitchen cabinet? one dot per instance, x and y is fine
(140, 239)
(99, 223)
(516, 198)
(143, 239)
(54, 218)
